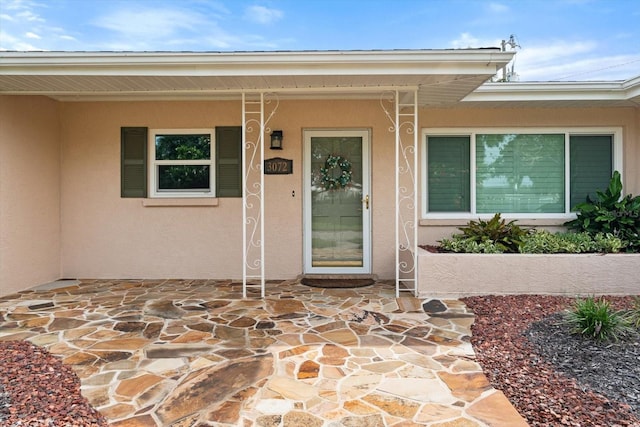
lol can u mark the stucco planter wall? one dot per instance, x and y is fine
(454, 275)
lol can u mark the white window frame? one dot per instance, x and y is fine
(615, 132)
(153, 164)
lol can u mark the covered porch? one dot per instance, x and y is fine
(82, 101)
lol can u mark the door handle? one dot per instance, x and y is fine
(366, 201)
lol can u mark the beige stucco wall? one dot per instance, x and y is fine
(29, 192)
(71, 221)
(105, 236)
(626, 118)
(455, 275)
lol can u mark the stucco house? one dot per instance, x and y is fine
(268, 165)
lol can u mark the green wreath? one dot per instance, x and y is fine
(329, 174)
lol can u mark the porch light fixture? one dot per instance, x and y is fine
(276, 140)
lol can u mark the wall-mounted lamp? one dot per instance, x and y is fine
(276, 140)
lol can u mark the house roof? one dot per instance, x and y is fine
(557, 94)
(441, 76)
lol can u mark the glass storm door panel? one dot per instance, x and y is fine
(337, 202)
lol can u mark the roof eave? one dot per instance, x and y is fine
(628, 90)
(253, 63)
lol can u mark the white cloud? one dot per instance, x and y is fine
(561, 60)
(554, 59)
(498, 8)
(9, 42)
(467, 40)
(29, 16)
(19, 22)
(175, 29)
(615, 67)
(149, 24)
(262, 15)
(573, 61)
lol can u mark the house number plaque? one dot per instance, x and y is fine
(278, 166)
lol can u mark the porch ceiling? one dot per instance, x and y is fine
(442, 77)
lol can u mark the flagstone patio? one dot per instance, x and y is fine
(193, 352)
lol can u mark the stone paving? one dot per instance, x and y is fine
(195, 353)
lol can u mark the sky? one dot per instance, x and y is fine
(557, 40)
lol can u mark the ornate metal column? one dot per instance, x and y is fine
(254, 129)
(401, 108)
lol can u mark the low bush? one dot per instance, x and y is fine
(610, 213)
(493, 236)
(544, 242)
(459, 244)
(595, 318)
(634, 313)
(498, 236)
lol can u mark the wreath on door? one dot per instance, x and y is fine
(336, 173)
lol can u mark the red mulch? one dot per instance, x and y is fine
(38, 390)
(544, 396)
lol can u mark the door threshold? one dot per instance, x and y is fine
(338, 276)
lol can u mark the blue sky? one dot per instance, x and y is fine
(562, 40)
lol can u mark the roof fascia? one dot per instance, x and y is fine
(556, 91)
(254, 63)
(632, 87)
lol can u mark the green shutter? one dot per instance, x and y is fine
(133, 162)
(591, 165)
(448, 173)
(229, 161)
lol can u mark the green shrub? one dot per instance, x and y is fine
(544, 242)
(597, 319)
(611, 214)
(458, 243)
(608, 243)
(499, 236)
(577, 242)
(634, 313)
(496, 234)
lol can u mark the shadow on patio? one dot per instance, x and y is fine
(193, 352)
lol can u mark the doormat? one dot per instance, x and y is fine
(337, 283)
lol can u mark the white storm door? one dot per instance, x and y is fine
(337, 220)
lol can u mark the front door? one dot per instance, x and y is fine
(337, 200)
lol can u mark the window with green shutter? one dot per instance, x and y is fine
(181, 163)
(531, 174)
(591, 165)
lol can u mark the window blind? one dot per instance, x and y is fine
(520, 173)
(591, 165)
(448, 173)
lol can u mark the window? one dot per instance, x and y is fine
(181, 163)
(448, 179)
(591, 165)
(526, 173)
(519, 173)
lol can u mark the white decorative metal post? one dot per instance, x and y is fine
(401, 108)
(253, 137)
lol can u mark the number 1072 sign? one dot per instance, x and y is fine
(278, 166)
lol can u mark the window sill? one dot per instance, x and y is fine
(526, 222)
(180, 202)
